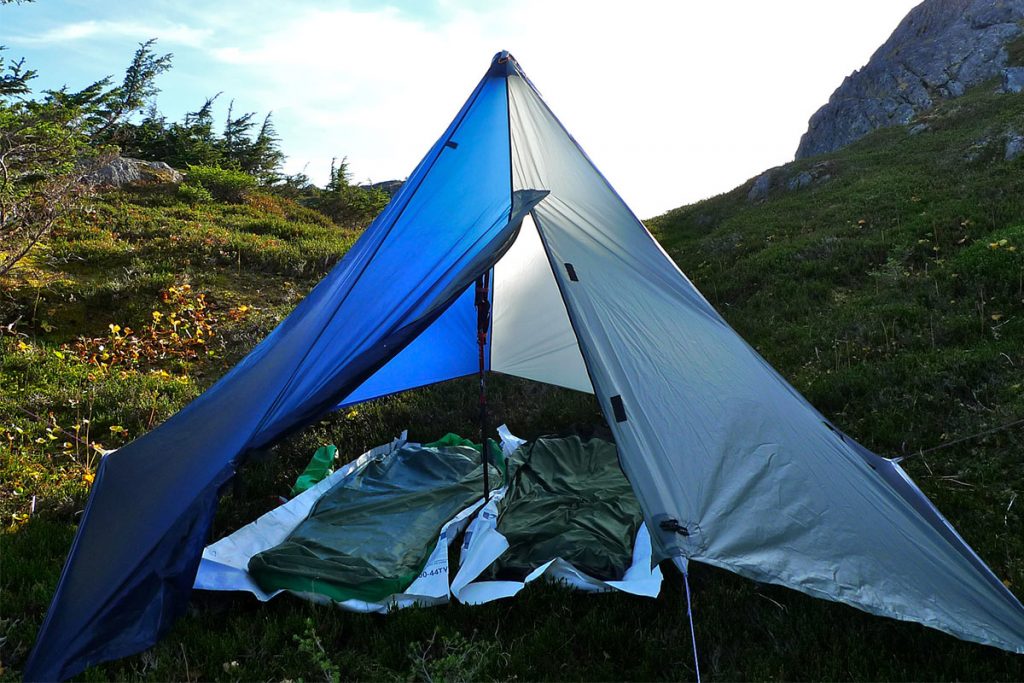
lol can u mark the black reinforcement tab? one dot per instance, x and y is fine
(572, 272)
(619, 409)
(453, 145)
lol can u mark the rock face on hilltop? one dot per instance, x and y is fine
(388, 186)
(941, 48)
(122, 171)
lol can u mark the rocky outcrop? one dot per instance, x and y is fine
(127, 171)
(1013, 79)
(785, 179)
(1014, 146)
(388, 186)
(762, 185)
(941, 48)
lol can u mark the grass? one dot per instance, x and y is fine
(891, 294)
(1015, 52)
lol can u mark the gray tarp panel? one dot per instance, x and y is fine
(568, 498)
(711, 436)
(369, 536)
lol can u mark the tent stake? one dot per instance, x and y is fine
(483, 320)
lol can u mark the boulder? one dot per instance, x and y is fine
(1014, 146)
(124, 171)
(801, 179)
(761, 187)
(1013, 79)
(779, 179)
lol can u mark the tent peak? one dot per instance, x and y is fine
(505, 64)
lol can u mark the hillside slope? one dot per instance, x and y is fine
(886, 281)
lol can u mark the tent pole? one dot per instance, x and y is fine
(483, 322)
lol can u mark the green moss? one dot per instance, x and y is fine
(1015, 51)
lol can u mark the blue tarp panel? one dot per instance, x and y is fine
(133, 561)
(445, 350)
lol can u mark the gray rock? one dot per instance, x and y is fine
(941, 48)
(391, 187)
(1014, 145)
(761, 187)
(955, 89)
(1013, 79)
(124, 171)
(778, 179)
(917, 128)
(982, 15)
(801, 179)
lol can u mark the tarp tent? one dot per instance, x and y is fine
(731, 465)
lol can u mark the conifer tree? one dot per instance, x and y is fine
(137, 88)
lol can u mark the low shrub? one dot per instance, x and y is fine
(224, 184)
(194, 194)
(995, 263)
(265, 203)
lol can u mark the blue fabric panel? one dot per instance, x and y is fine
(134, 558)
(445, 350)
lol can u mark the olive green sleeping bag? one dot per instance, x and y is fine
(370, 535)
(567, 498)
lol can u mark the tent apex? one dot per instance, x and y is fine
(504, 63)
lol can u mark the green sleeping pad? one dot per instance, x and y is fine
(370, 535)
(567, 498)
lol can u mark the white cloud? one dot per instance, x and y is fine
(172, 33)
(376, 86)
(674, 101)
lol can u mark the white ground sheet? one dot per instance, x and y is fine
(224, 566)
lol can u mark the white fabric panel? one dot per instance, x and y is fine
(531, 333)
(716, 439)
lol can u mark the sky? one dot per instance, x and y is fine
(674, 101)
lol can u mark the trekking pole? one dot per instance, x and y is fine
(483, 320)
